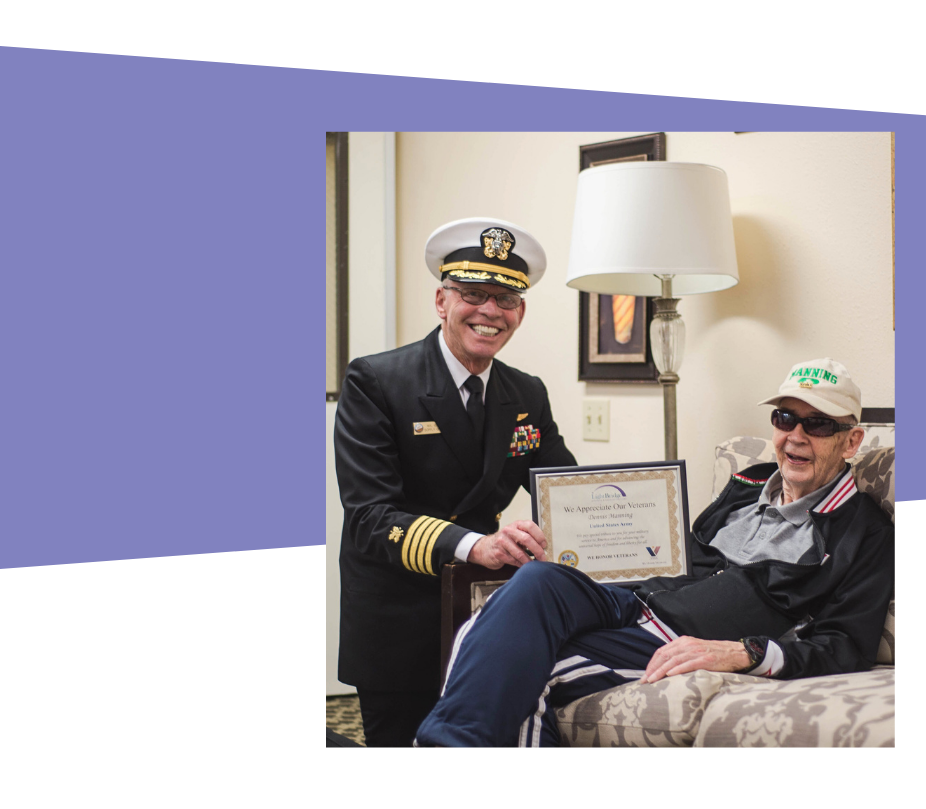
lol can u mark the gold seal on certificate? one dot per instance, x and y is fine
(615, 523)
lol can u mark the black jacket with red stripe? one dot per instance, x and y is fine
(839, 590)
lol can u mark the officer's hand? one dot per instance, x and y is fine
(508, 545)
(688, 654)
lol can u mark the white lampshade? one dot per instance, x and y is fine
(634, 221)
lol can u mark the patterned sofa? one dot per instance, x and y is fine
(711, 709)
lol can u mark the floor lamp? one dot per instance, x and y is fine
(656, 229)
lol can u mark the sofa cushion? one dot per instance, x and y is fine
(666, 713)
(876, 437)
(874, 475)
(713, 709)
(735, 455)
(840, 710)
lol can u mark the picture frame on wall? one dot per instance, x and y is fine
(614, 341)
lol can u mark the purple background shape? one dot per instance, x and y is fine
(161, 312)
(158, 308)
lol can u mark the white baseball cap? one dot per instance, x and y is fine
(824, 384)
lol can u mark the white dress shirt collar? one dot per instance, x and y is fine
(459, 371)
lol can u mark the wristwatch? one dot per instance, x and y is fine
(755, 648)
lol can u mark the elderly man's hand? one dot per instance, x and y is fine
(509, 545)
(689, 654)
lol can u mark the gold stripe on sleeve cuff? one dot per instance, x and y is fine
(419, 544)
(427, 541)
(414, 542)
(410, 545)
(431, 542)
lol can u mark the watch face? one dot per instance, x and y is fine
(754, 648)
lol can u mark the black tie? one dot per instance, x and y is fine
(474, 406)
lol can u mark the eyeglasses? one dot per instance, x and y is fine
(817, 426)
(477, 297)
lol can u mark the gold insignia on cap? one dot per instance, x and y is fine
(497, 243)
(805, 384)
(476, 276)
(498, 517)
(477, 271)
(510, 281)
(522, 416)
(396, 533)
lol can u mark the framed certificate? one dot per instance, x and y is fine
(615, 523)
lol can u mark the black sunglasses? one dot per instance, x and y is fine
(817, 426)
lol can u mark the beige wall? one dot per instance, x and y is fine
(812, 220)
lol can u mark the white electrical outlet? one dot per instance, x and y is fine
(596, 420)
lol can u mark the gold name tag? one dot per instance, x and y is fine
(425, 427)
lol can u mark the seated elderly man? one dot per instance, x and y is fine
(792, 573)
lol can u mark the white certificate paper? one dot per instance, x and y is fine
(615, 523)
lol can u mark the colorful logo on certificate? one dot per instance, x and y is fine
(570, 558)
(608, 491)
(654, 550)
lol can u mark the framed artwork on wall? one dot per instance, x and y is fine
(614, 329)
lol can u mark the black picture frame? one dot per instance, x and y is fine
(601, 357)
(574, 471)
(607, 354)
(341, 258)
(624, 150)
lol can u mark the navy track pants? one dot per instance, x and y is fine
(548, 637)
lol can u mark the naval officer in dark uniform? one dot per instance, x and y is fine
(432, 441)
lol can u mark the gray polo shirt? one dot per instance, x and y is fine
(768, 530)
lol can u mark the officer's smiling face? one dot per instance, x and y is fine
(475, 334)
